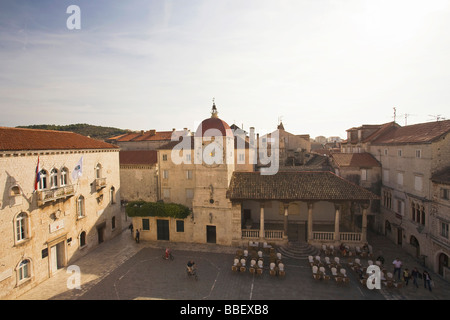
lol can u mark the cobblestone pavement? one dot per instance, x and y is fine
(121, 269)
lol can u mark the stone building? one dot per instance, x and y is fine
(49, 220)
(440, 220)
(213, 173)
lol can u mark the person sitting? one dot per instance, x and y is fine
(190, 266)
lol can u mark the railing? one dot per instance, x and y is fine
(268, 234)
(55, 194)
(350, 236)
(323, 236)
(100, 183)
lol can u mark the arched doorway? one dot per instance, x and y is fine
(443, 263)
(415, 243)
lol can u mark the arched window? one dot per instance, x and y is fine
(64, 174)
(98, 171)
(112, 193)
(43, 180)
(82, 239)
(21, 226)
(54, 178)
(15, 191)
(24, 270)
(80, 207)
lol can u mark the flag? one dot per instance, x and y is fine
(37, 176)
(78, 170)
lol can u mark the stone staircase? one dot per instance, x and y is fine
(298, 250)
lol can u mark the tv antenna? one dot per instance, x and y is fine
(438, 117)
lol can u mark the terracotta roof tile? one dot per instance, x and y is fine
(355, 160)
(32, 139)
(295, 186)
(418, 133)
(138, 157)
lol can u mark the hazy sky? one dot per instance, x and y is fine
(321, 66)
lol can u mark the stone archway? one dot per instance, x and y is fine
(415, 243)
(442, 263)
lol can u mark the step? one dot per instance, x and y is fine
(298, 250)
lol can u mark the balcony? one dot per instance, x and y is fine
(54, 194)
(100, 183)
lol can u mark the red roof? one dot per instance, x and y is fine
(138, 157)
(212, 127)
(355, 160)
(15, 139)
(151, 135)
(417, 133)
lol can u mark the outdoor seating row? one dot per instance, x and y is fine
(319, 273)
(257, 267)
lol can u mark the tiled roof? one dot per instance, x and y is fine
(211, 126)
(151, 135)
(15, 139)
(138, 157)
(442, 176)
(418, 133)
(295, 186)
(355, 160)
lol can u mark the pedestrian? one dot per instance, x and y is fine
(397, 267)
(406, 276)
(426, 279)
(414, 275)
(131, 228)
(137, 235)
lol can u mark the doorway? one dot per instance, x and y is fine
(57, 256)
(211, 234)
(399, 236)
(101, 232)
(162, 229)
(443, 263)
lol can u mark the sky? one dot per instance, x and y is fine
(318, 66)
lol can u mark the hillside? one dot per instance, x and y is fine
(95, 132)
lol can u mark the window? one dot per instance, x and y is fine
(43, 180)
(166, 193)
(98, 171)
(363, 174)
(387, 199)
(188, 158)
(21, 226)
(418, 183)
(164, 157)
(445, 194)
(241, 158)
(15, 191)
(400, 178)
(418, 153)
(80, 207)
(189, 174)
(165, 174)
(54, 178)
(399, 152)
(63, 178)
(23, 270)
(180, 226)
(385, 152)
(417, 212)
(82, 239)
(444, 229)
(146, 224)
(400, 207)
(112, 193)
(189, 193)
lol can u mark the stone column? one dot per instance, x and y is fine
(337, 237)
(261, 221)
(364, 206)
(286, 214)
(310, 221)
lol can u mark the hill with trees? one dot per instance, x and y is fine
(95, 132)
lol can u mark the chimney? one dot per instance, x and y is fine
(152, 132)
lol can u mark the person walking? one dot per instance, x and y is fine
(397, 267)
(406, 276)
(426, 279)
(137, 235)
(414, 276)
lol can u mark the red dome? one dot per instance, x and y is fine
(210, 127)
